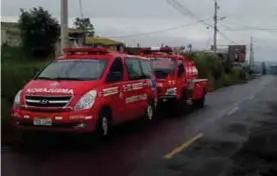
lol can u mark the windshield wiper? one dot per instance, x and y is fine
(63, 78)
(46, 78)
(73, 79)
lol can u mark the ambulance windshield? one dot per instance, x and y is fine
(74, 69)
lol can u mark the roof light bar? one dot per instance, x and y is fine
(151, 50)
(86, 50)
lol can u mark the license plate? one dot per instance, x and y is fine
(42, 121)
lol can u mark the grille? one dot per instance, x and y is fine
(47, 101)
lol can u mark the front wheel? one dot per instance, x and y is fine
(103, 125)
(149, 113)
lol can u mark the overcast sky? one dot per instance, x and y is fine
(133, 21)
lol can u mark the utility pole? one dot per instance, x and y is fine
(215, 26)
(251, 59)
(64, 24)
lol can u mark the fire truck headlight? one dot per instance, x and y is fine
(86, 101)
(171, 91)
(17, 99)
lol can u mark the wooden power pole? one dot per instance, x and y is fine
(64, 24)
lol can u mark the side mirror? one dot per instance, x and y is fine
(114, 76)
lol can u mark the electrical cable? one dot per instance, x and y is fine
(246, 27)
(157, 31)
(180, 8)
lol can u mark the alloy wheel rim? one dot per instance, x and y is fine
(149, 112)
(105, 126)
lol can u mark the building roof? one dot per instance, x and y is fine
(8, 25)
(101, 40)
(13, 29)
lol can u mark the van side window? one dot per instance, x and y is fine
(134, 69)
(181, 68)
(146, 68)
(116, 71)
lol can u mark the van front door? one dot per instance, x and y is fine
(135, 92)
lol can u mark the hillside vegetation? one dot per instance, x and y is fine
(16, 71)
(219, 73)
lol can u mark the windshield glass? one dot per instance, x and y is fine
(88, 69)
(163, 67)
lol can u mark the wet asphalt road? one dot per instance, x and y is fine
(136, 148)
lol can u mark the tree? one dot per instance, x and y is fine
(85, 25)
(39, 31)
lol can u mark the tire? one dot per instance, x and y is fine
(149, 112)
(181, 104)
(200, 103)
(103, 124)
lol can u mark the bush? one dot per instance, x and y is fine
(208, 64)
(219, 74)
(9, 53)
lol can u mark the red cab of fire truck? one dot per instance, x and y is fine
(86, 90)
(177, 78)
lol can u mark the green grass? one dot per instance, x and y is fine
(16, 71)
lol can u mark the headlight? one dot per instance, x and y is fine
(86, 101)
(171, 91)
(16, 102)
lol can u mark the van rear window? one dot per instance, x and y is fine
(83, 69)
(163, 67)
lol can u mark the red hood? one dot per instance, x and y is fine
(43, 87)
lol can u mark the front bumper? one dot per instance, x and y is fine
(78, 122)
(167, 98)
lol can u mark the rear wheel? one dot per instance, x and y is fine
(199, 103)
(149, 112)
(180, 105)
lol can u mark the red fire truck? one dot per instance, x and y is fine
(177, 78)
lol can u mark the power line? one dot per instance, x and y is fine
(175, 4)
(254, 27)
(158, 31)
(227, 38)
(249, 28)
(180, 8)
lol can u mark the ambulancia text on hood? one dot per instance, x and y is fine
(50, 90)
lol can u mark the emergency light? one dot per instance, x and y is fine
(150, 50)
(84, 50)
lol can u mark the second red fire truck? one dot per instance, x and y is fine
(176, 77)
